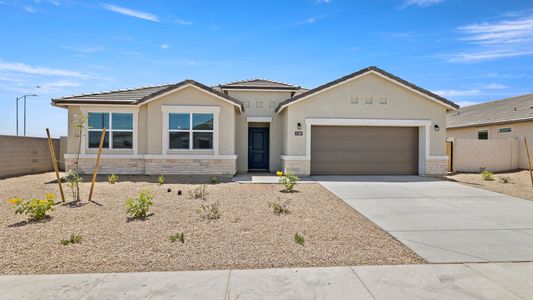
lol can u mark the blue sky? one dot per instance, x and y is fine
(466, 50)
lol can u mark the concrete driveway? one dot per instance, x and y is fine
(442, 221)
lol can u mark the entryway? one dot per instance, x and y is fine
(258, 148)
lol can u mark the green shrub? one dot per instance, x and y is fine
(161, 179)
(138, 208)
(487, 175)
(279, 208)
(209, 211)
(506, 179)
(35, 208)
(299, 239)
(214, 180)
(178, 236)
(74, 239)
(199, 193)
(288, 179)
(112, 178)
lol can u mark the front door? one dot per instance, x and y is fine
(258, 148)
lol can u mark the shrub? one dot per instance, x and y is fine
(178, 236)
(199, 193)
(35, 208)
(280, 208)
(161, 179)
(209, 211)
(506, 179)
(112, 178)
(74, 239)
(288, 179)
(487, 175)
(299, 239)
(73, 182)
(214, 180)
(138, 208)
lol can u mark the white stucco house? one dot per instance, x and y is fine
(368, 122)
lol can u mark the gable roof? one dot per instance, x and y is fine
(519, 108)
(258, 83)
(138, 96)
(371, 69)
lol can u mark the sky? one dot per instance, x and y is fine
(469, 51)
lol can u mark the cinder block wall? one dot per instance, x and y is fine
(496, 155)
(25, 155)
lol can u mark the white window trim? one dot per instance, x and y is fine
(259, 119)
(134, 110)
(487, 129)
(167, 109)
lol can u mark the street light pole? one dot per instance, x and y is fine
(17, 105)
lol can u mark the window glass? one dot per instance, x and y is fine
(507, 129)
(179, 121)
(122, 139)
(202, 121)
(179, 140)
(98, 120)
(122, 121)
(203, 140)
(94, 139)
(483, 135)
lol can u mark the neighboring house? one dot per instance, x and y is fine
(369, 122)
(501, 119)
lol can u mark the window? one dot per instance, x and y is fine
(119, 130)
(483, 135)
(190, 131)
(505, 129)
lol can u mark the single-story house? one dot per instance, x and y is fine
(501, 119)
(368, 122)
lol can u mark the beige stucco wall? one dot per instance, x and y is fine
(339, 102)
(496, 155)
(519, 130)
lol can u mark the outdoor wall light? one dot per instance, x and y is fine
(437, 128)
(299, 126)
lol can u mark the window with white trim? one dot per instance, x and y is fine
(119, 130)
(190, 131)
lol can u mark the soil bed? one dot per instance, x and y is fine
(519, 186)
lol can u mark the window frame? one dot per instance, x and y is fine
(505, 129)
(190, 110)
(483, 130)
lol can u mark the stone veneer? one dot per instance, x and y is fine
(298, 167)
(436, 167)
(155, 166)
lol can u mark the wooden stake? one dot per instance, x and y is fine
(529, 162)
(95, 172)
(54, 162)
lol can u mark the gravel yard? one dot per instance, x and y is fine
(247, 235)
(519, 186)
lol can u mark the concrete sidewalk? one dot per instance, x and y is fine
(442, 281)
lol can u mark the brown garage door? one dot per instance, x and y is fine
(364, 150)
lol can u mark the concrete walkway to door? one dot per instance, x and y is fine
(442, 221)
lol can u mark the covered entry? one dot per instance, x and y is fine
(364, 150)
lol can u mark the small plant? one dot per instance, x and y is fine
(161, 179)
(506, 179)
(214, 180)
(138, 208)
(112, 178)
(299, 239)
(178, 236)
(209, 211)
(487, 175)
(280, 208)
(199, 193)
(74, 239)
(35, 208)
(288, 179)
(73, 182)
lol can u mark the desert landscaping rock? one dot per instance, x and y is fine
(248, 234)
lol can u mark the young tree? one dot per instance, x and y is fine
(73, 177)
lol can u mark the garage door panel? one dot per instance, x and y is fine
(364, 150)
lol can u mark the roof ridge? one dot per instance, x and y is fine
(117, 90)
(499, 100)
(257, 78)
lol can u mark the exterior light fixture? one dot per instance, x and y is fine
(299, 125)
(437, 128)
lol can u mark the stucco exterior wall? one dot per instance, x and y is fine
(350, 100)
(496, 155)
(519, 130)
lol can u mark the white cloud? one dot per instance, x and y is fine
(466, 103)
(57, 86)
(28, 9)
(182, 22)
(457, 93)
(420, 3)
(131, 12)
(165, 46)
(323, 1)
(27, 69)
(494, 86)
(476, 56)
(307, 21)
(85, 49)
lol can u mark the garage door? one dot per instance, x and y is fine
(364, 150)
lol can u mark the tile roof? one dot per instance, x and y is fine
(360, 72)
(258, 83)
(513, 109)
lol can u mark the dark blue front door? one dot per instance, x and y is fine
(258, 148)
